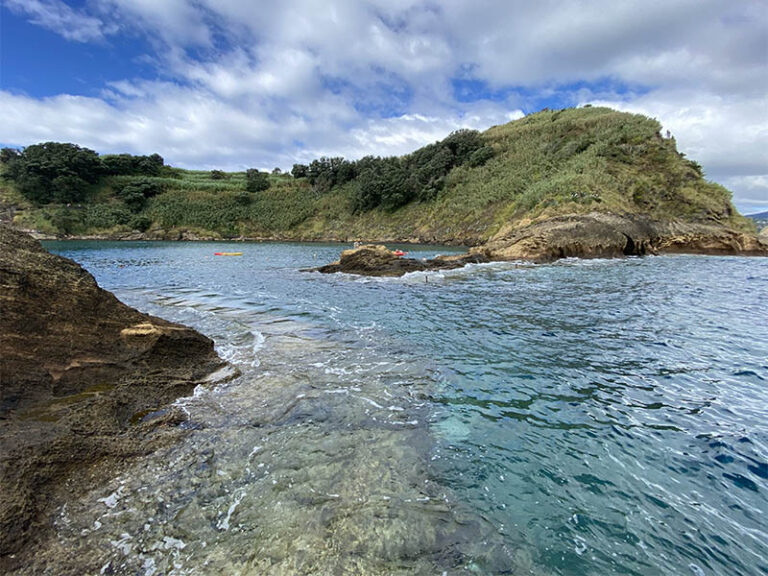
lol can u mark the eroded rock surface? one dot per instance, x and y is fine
(595, 235)
(79, 370)
(602, 235)
(378, 260)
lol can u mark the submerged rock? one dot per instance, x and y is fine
(378, 260)
(78, 369)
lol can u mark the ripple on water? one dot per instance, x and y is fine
(587, 417)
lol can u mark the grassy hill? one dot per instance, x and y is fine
(547, 164)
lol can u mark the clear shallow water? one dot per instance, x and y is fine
(584, 417)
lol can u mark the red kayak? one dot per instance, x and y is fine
(400, 253)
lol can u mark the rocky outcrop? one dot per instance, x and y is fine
(79, 371)
(602, 235)
(377, 260)
(595, 235)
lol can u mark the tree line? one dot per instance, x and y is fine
(392, 182)
(63, 172)
(54, 172)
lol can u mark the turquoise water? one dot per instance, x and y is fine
(583, 417)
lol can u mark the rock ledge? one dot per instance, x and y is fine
(79, 371)
(594, 235)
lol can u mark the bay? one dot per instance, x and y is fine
(582, 417)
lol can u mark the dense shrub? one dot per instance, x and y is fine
(394, 182)
(463, 143)
(141, 223)
(219, 175)
(256, 181)
(243, 198)
(380, 182)
(129, 165)
(136, 193)
(326, 173)
(8, 155)
(480, 156)
(34, 187)
(67, 220)
(104, 216)
(69, 188)
(53, 171)
(299, 171)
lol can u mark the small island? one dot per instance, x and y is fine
(583, 182)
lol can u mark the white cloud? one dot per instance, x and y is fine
(239, 84)
(195, 129)
(176, 22)
(56, 16)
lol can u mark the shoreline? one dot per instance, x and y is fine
(192, 237)
(591, 235)
(86, 380)
(307, 487)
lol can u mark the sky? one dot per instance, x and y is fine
(235, 84)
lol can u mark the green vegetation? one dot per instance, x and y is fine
(393, 182)
(136, 193)
(125, 164)
(52, 172)
(464, 188)
(256, 181)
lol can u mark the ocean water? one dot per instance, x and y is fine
(577, 418)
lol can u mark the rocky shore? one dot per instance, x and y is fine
(84, 380)
(606, 235)
(595, 235)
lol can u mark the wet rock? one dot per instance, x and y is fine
(602, 235)
(377, 260)
(594, 235)
(78, 368)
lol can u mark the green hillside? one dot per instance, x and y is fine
(463, 189)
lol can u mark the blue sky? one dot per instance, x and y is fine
(234, 83)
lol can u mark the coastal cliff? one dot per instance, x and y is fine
(80, 375)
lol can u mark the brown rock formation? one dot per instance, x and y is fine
(601, 235)
(595, 235)
(77, 368)
(377, 260)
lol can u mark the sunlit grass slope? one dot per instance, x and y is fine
(546, 164)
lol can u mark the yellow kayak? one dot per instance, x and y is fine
(227, 253)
